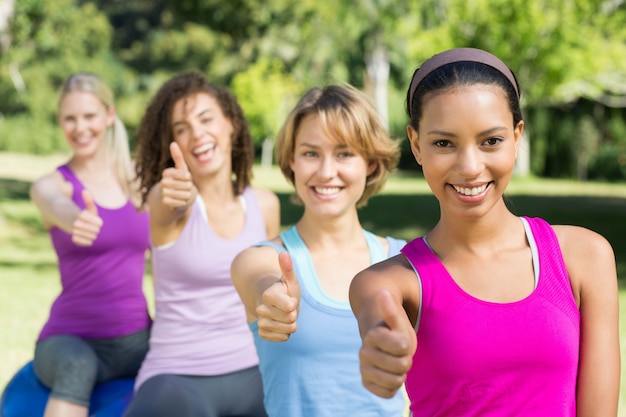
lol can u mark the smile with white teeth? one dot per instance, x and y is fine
(83, 139)
(326, 190)
(470, 191)
(204, 148)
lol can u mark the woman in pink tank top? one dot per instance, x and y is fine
(488, 314)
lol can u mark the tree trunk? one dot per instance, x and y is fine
(378, 73)
(6, 13)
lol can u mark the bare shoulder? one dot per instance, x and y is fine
(395, 275)
(253, 255)
(265, 197)
(583, 242)
(270, 207)
(395, 272)
(589, 258)
(50, 184)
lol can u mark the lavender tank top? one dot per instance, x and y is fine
(102, 294)
(200, 325)
(479, 358)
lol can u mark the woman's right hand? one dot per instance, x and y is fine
(278, 311)
(388, 348)
(86, 227)
(177, 189)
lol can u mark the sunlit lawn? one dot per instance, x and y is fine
(29, 280)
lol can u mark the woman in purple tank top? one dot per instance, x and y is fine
(194, 160)
(488, 314)
(98, 328)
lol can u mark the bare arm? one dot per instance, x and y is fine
(385, 299)
(51, 196)
(269, 289)
(590, 263)
(171, 199)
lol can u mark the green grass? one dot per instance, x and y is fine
(29, 280)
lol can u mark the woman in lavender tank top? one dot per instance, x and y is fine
(488, 314)
(194, 160)
(97, 333)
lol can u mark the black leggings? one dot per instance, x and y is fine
(238, 394)
(71, 366)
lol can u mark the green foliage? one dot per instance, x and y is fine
(26, 134)
(266, 93)
(566, 54)
(609, 164)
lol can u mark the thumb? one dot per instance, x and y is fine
(90, 205)
(177, 156)
(289, 274)
(391, 314)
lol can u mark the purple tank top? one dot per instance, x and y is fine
(200, 325)
(478, 358)
(102, 294)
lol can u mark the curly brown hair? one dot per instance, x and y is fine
(154, 134)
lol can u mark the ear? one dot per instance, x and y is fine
(371, 168)
(414, 141)
(111, 116)
(517, 134)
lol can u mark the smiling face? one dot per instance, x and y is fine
(467, 146)
(203, 133)
(329, 176)
(84, 120)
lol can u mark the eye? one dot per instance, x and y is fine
(206, 120)
(442, 143)
(309, 154)
(345, 154)
(179, 131)
(493, 141)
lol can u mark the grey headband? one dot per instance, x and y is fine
(458, 55)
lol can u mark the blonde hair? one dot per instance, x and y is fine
(116, 135)
(346, 115)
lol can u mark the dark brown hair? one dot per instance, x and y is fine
(154, 134)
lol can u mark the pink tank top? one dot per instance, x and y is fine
(200, 325)
(102, 284)
(478, 358)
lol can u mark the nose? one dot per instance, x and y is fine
(328, 168)
(80, 124)
(196, 130)
(469, 162)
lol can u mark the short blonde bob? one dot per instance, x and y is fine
(348, 116)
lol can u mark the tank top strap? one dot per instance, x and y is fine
(77, 186)
(377, 251)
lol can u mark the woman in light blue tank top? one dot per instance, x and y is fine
(336, 153)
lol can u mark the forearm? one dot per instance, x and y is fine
(160, 212)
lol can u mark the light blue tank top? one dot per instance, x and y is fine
(316, 372)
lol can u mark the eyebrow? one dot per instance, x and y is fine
(483, 133)
(314, 146)
(200, 114)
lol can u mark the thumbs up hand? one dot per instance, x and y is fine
(278, 311)
(87, 225)
(177, 189)
(387, 351)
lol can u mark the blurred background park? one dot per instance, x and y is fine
(569, 56)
